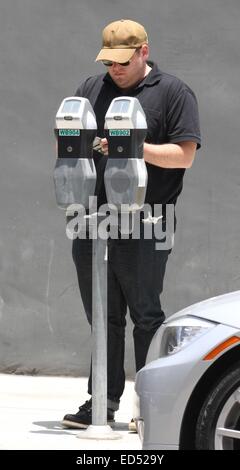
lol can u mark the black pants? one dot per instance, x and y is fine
(135, 279)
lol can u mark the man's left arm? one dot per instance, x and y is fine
(180, 155)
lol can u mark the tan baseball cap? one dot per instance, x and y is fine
(120, 40)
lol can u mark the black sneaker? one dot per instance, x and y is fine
(83, 418)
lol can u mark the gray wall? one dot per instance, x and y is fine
(47, 48)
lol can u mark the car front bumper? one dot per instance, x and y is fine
(165, 385)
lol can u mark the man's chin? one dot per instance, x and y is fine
(121, 83)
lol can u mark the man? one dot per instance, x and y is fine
(135, 268)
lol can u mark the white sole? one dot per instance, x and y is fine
(73, 425)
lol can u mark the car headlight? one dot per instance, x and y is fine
(181, 332)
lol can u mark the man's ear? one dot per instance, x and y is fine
(145, 51)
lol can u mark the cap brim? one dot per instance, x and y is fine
(115, 55)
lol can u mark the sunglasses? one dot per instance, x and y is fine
(109, 63)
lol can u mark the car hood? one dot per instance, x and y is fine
(223, 309)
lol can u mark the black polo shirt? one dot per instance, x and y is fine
(172, 116)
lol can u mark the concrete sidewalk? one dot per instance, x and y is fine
(31, 410)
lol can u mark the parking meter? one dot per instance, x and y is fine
(125, 174)
(75, 173)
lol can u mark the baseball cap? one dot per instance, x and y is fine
(120, 40)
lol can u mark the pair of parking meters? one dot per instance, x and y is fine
(125, 182)
(125, 174)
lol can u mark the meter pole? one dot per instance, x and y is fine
(99, 331)
(99, 429)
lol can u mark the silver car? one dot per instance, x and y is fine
(189, 391)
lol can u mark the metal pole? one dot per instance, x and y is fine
(99, 332)
(99, 428)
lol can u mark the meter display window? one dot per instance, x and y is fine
(120, 106)
(71, 106)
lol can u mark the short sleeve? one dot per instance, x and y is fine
(183, 117)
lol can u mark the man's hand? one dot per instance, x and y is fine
(104, 146)
(100, 145)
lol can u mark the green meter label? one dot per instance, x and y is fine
(69, 132)
(119, 132)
